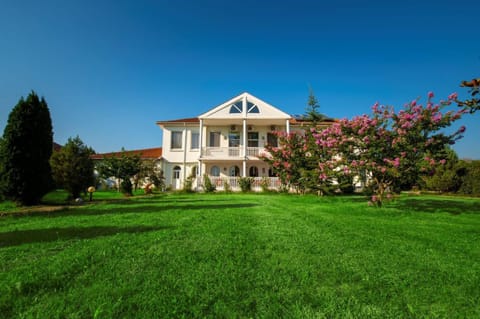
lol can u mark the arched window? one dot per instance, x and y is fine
(253, 172)
(176, 172)
(215, 171)
(271, 173)
(234, 171)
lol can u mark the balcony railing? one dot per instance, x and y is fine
(231, 152)
(273, 183)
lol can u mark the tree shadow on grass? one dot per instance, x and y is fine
(140, 209)
(19, 237)
(438, 206)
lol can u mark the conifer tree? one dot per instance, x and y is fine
(26, 149)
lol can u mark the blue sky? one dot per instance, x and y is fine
(110, 69)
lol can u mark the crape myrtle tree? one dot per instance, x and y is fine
(123, 168)
(72, 167)
(25, 174)
(390, 146)
(387, 148)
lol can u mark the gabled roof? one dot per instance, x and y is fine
(234, 108)
(147, 153)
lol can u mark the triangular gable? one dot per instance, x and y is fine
(256, 108)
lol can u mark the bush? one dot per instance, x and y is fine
(126, 187)
(187, 187)
(207, 184)
(226, 186)
(245, 184)
(471, 179)
(265, 184)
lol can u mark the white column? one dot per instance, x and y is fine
(287, 126)
(200, 144)
(244, 148)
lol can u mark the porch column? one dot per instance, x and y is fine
(200, 142)
(287, 126)
(244, 171)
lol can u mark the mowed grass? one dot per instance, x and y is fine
(243, 255)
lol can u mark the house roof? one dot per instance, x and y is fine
(185, 120)
(147, 153)
(245, 105)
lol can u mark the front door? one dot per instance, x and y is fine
(176, 177)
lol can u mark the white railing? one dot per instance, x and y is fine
(233, 182)
(225, 152)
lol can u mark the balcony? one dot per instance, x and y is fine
(231, 152)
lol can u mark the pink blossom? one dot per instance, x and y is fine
(374, 198)
(384, 169)
(430, 94)
(453, 96)
(443, 161)
(462, 129)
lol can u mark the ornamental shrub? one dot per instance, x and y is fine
(245, 184)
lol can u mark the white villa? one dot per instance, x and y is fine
(224, 143)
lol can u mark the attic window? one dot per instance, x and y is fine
(236, 108)
(252, 108)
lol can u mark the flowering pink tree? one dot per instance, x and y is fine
(388, 146)
(296, 161)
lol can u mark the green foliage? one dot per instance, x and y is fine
(312, 111)
(245, 184)
(26, 149)
(471, 178)
(149, 170)
(265, 184)
(124, 167)
(472, 104)
(188, 185)
(72, 167)
(226, 186)
(208, 187)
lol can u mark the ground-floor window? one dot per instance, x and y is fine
(234, 171)
(176, 172)
(253, 171)
(215, 171)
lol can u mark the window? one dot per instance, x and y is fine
(236, 108)
(214, 139)
(271, 173)
(194, 142)
(176, 140)
(215, 171)
(194, 171)
(252, 139)
(176, 172)
(252, 108)
(272, 139)
(233, 139)
(234, 171)
(253, 171)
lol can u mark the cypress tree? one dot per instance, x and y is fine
(26, 150)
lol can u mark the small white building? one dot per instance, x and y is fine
(224, 143)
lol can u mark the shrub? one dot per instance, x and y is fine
(126, 187)
(265, 184)
(187, 187)
(207, 184)
(226, 186)
(245, 184)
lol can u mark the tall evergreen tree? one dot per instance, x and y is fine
(72, 167)
(312, 111)
(27, 147)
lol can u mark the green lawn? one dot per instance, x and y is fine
(237, 255)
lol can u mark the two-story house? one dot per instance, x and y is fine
(224, 143)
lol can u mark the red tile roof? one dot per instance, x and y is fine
(147, 153)
(186, 120)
